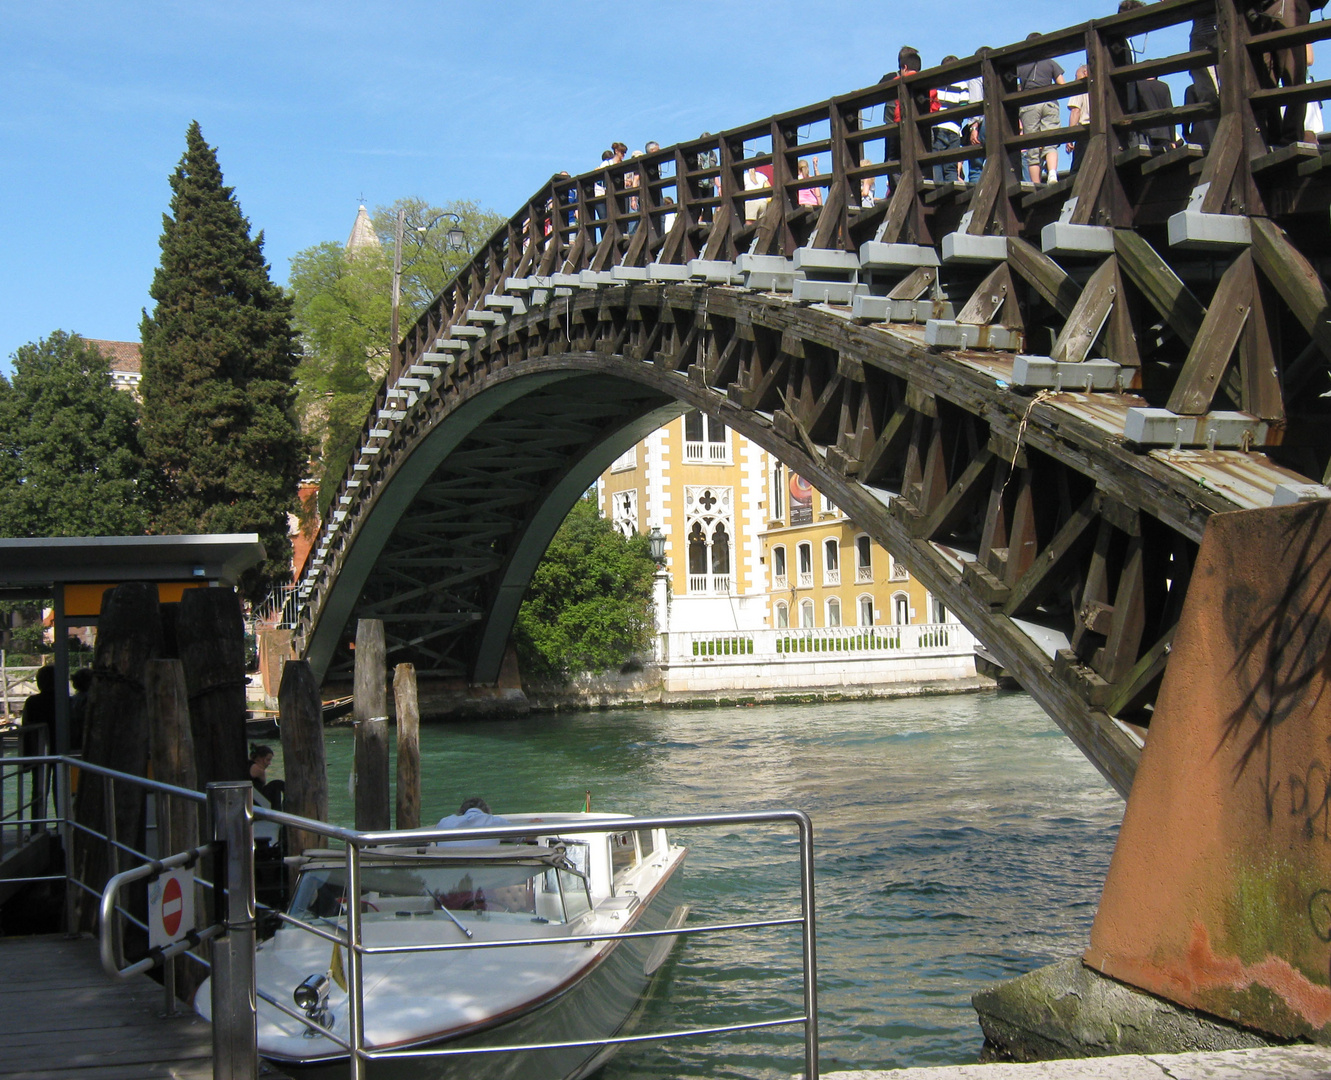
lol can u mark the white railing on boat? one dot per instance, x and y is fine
(228, 849)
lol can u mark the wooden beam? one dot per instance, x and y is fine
(1088, 318)
(1295, 280)
(1067, 545)
(1214, 345)
(1163, 289)
(1044, 275)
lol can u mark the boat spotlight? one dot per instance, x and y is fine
(312, 996)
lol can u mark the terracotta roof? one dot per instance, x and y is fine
(123, 355)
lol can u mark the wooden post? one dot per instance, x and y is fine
(171, 744)
(408, 747)
(115, 730)
(370, 711)
(300, 712)
(210, 634)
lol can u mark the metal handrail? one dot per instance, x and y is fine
(234, 991)
(111, 947)
(359, 1052)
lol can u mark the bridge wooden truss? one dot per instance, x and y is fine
(1036, 396)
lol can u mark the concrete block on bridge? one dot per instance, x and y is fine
(1214, 430)
(1062, 239)
(767, 273)
(963, 247)
(715, 272)
(1044, 373)
(875, 255)
(948, 334)
(885, 309)
(1289, 494)
(512, 305)
(667, 272)
(621, 274)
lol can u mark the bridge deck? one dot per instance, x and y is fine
(62, 1018)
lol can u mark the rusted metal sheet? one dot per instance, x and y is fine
(1219, 893)
(1248, 480)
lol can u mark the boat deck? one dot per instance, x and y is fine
(63, 1018)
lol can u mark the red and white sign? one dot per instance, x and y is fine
(170, 907)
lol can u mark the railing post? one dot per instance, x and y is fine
(235, 1033)
(810, 950)
(355, 1000)
(66, 811)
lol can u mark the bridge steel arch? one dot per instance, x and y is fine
(1055, 502)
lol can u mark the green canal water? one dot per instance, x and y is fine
(959, 840)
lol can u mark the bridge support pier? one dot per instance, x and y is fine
(1218, 897)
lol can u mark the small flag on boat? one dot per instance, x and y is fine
(588, 808)
(335, 971)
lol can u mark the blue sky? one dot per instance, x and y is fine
(314, 104)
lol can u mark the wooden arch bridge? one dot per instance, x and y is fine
(1036, 396)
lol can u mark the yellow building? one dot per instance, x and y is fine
(760, 563)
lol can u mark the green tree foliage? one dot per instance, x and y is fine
(70, 462)
(343, 310)
(589, 605)
(219, 356)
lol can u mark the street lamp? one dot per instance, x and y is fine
(454, 240)
(657, 542)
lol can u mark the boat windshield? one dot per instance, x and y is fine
(412, 890)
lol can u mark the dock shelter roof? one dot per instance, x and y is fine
(45, 562)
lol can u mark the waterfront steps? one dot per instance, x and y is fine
(1267, 1063)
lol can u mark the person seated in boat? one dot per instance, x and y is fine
(474, 813)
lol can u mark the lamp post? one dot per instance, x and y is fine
(656, 540)
(454, 240)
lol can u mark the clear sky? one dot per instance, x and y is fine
(314, 105)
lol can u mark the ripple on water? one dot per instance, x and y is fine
(959, 840)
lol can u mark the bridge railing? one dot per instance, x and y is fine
(689, 201)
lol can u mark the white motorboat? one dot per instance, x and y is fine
(561, 889)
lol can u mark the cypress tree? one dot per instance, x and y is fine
(219, 355)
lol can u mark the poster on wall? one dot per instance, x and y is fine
(801, 500)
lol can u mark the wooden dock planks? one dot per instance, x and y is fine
(63, 1018)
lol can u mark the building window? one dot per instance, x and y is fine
(779, 568)
(937, 612)
(707, 517)
(624, 511)
(782, 615)
(834, 612)
(778, 492)
(705, 439)
(805, 555)
(829, 507)
(806, 614)
(864, 559)
(627, 460)
(831, 561)
(866, 610)
(900, 609)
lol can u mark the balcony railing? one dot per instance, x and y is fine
(717, 584)
(779, 581)
(832, 576)
(851, 642)
(707, 452)
(806, 579)
(864, 575)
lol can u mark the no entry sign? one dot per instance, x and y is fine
(170, 907)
